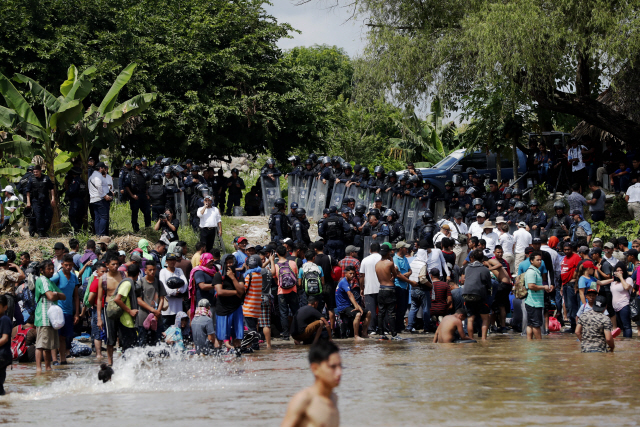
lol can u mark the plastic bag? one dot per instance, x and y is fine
(56, 317)
(554, 325)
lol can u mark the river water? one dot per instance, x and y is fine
(504, 381)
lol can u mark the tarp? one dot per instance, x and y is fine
(410, 216)
(368, 240)
(181, 208)
(293, 189)
(270, 192)
(337, 195)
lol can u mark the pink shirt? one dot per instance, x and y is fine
(620, 296)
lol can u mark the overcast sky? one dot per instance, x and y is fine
(319, 23)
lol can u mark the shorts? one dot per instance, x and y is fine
(534, 316)
(231, 325)
(264, 321)
(502, 299)
(47, 338)
(67, 330)
(351, 313)
(475, 308)
(112, 330)
(329, 298)
(96, 332)
(309, 332)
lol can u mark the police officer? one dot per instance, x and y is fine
(270, 170)
(193, 180)
(296, 167)
(292, 213)
(521, 214)
(358, 220)
(145, 169)
(91, 166)
(77, 192)
(334, 228)
(122, 180)
(449, 192)
(478, 204)
(327, 174)
(501, 210)
(378, 230)
(220, 190)
(396, 229)
(279, 222)
(347, 175)
(554, 226)
(428, 229)
(40, 198)
(471, 172)
(173, 185)
(427, 194)
(197, 201)
(537, 218)
(157, 167)
(158, 195)
(300, 227)
(346, 213)
(309, 171)
(377, 181)
(325, 215)
(364, 178)
(235, 185)
(136, 187)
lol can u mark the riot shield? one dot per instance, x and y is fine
(270, 192)
(338, 195)
(439, 209)
(409, 217)
(398, 206)
(386, 198)
(319, 200)
(181, 208)
(303, 191)
(368, 240)
(293, 182)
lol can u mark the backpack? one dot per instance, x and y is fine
(520, 291)
(286, 278)
(311, 282)
(113, 310)
(19, 342)
(85, 300)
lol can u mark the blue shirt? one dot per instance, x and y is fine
(402, 264)
(524, 266)
(240, 259)
(342, 298)
(67, 286)
(587, 282)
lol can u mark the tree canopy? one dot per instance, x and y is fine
(222, 86)
(558, 53)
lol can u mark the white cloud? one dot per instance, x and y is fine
(319, 23)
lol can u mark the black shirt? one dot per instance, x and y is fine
(5, 328)
(172, 236)
(303, 318)
(202, 277)
(324, 261)
(226, 305)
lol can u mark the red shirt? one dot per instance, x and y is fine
(569, 264)
(94, 288)
(441, 291)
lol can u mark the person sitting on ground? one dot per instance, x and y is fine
(317, 405)
(173, 335)
(203, 329)
(24, 338)
(349, 303)
(451, 329)
(308, 323)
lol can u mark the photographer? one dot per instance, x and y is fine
(169, 226)
(210, 222)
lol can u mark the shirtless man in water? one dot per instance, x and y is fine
(318, 404)
(386, 272)
(450, 329)
(114, 277)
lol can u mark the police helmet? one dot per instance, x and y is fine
(427, 216)
(357, 168)
(512, 202)
(426, 181)
(507, 192)
(166, 161)
(334, 159)
(30, 168)
(345, 210)
(364, 171)
(500, 203)
(392, 174)
(377, 199)
(333, 209)
(308, 162)
(375, 212)
(520, 205)
(177, 168)
(325, 211)
(378, 169)
(127, 162)
(413, 179)
(457, 179)
(471, 171)
(313, 157)
(326, 159)
(137, 163)
(391, 213)
(166, 169)
(478, 201)
(558, 205)
(347, 166)
(144, 159)
(294, 205)
(361, 209)
(448, 183)
(195, 168)
(300, 212)
(533, 202)
(235, 170)
(203, 190)
(294, 159)
(157, 179)
(271, 162)
(516, 192)
(280, 203)
(403, 177)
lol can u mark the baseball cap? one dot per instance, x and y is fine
(446, 226)
(4, 259)
(597, 239)
(609, 245)
(172, 257)
(58, 245)
(594, 290)
(204, 303)
(528, 250)
(251, 245)
(500, 220)
(112, 246)
(458, 215)
(482, 214)
(576, 212)
(101, 165)
(384, 250)
(122, 253)
(583, 250)
(601, 304)
(387, 244)
(632, 252)
(401, 245)
(159, 158)
(588, 264)
(522, 224)
(287, 240)
(208, 197)
(135, 257)
(536, 241)
(9, 189)
(127, 162)
(242, 238)
(352, 248)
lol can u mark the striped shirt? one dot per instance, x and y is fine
(534, 298)
(44, 285)
(253, 298)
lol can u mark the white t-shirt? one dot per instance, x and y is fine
(99, 186)
(368, 268)
(576, 153)
(462, 227)
(506, 241)
(634, 193)
(175, 303)
(10, 209)
(522, 239)
(476, 230)
(491, 239)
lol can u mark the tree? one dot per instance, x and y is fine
(223, 86)
(558, 53)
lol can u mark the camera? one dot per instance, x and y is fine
(163, 217)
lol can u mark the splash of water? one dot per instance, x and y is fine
(139, 372)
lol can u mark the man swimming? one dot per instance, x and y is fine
(450, 329)
(318, 405)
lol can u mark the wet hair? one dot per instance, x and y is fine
(105, 373)
(321, 351)
(133, 270)
(281, 251)
(200, 246)
(462, 311)
(67, 258)
(309, 255)
(113, 257)
(91, 244)
(44, 264)
(74, 243)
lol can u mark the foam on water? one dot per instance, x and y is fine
(141, 373)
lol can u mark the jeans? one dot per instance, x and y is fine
(101, 212)
(559, 306)
(234, 200)
(335, 249)
(287, 302)
(141, 204)
(419, 301)
(371, 304)
(387, 309)
(402, 302)
(624, 321)
(621, 183)
(572, 302)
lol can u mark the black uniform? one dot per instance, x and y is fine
(279, 226)
(39, 190)
(137, 184)
(300, 232)
(396, 232)
(235, 192)
(77, 209)
(158, 195)
(554, 226)
(334, 228)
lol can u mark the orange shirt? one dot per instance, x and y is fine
(253, 297)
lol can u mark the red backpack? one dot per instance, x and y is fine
(19, 343)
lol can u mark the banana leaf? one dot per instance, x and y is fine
(110, 98)
(16, 102)
(129, 108)
(50, 101)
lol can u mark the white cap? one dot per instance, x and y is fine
(9, 189)
(522, 224)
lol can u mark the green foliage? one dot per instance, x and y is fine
(541, 193)
(606, 231)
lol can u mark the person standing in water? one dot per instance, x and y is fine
(318, 405)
